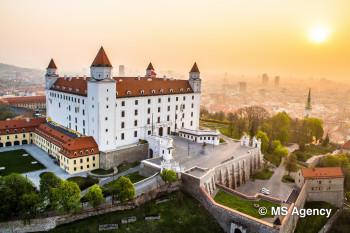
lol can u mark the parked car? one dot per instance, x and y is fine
(265, 191)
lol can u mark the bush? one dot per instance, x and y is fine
(221, 140)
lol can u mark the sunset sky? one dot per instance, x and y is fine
(234, 36)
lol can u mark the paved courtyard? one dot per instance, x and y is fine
(43, 158)
(216, 155)
(276, 187)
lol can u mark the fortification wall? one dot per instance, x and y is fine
(131, 154)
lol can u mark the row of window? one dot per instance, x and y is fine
(65, 97)
(82, 167)
(16, 136)
(159, 100)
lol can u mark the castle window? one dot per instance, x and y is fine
(135, 134)
(169, 99)
(148, 121)
(161, 90)
(158, 119)
(184, 98)
(123, 113)
(136, 112)
(188, 89)
(135, 123)
(107, 106)
(77, 90)
(116, 93)
(193, 97)
(81, 152)
(107, 98)
(153, 91)
(158, 109)
(149, 101)
(122, 136)
(148, 110)
(92, 150)
(168, 108)
(136, 102)
(15, 130)
(128, 92)
(23, 129)
(181, 89)
(177, 99)
(142, 92)
(106, 130)
(123, 103)
(86, 151)
(63, 88)
(122, 125)
(75, 153)
(171, 90)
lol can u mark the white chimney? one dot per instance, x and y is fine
(65, 77)
(138, 78)
(164, 77)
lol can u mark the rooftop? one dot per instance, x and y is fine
(346, 145)
(322, 173)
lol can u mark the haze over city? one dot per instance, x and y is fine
(239, 37)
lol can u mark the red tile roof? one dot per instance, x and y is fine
(24, 100)
(68, 142)
(322, 173)
(149, 86)
(150, 66)
(346, 145)
(52, 64)
(101, 59)
(17, 126)
(195, 68)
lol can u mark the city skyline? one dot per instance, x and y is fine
(235, 37)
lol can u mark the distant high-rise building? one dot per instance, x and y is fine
(277, 81)
(308, 108)
(121, 71)
(265, 79)
(242, 87)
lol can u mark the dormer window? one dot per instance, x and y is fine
(63, 88)
(188, 89)
(128, 92)
(85, 91)
(92, 150)
(15, 130)
(161, 90)
(81, 152)
(142, 92)
(86, 151)
(70, 89)
(77, 90)
(171, 90)
(75, 153)
(116, 93)
(23, 129)
(181, 89)
(58, 86)
(153, 91)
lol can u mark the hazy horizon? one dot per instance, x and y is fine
(250, 37)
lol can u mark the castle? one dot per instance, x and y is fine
(88, 116)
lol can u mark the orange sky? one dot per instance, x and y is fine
(234, 36)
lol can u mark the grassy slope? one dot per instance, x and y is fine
(244, 206)
(314, 223)
(14, 162)
(182, 214)
(134, 178)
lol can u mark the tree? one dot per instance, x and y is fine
(241, 126)
(124, 189)
(169, 176)
(232, 118)
(264, 140)
(221, 116)
(283, 136)
(31, 204)
(325, 141)
(256, 116)
(316, 127)
(94, 196)
(68, 196)
(48, 180)
(280, 152)
(290, 163)
(14, 188)
(275, 144)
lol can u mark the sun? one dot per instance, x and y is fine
(319, 34)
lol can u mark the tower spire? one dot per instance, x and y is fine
(52, 64)
(101, 59)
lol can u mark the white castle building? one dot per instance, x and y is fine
(120, 111)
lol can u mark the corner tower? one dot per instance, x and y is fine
(51, 74)
(101, 67)
(195, 80)
(150, 71)
(308, 108)
(101, 100)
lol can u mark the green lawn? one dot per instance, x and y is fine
(15, 162)
(342, 223)
(314, 223)
(100, 171)
(182, 214)
(134, 178)
(263, 175)
(223, 128)
(312, 150)
(126, 166)
(83, 182)
(244, 206)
